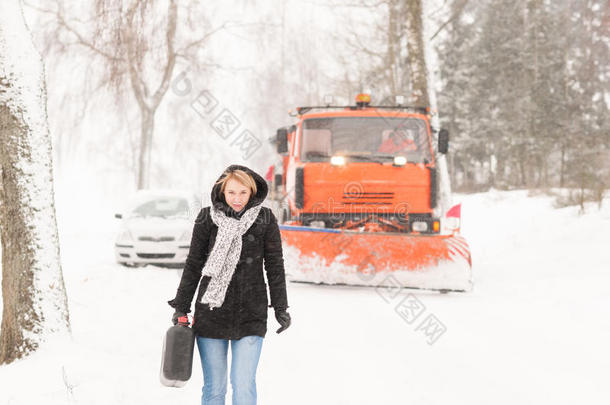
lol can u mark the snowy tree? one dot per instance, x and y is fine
(458, 76)
(588, 73)
(372, 49)
(397, 59)
(33, 293)
(526, 87)
(137, 45)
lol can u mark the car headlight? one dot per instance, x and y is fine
(186, 236)
(125, 236)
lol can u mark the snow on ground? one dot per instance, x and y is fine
(534, 330)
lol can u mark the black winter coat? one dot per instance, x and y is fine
(244, 310)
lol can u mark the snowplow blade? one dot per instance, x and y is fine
(332, 256)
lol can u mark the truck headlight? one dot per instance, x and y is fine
(419, 226)
(337, 160)
(400, 160)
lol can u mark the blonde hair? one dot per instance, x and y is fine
(239, 175)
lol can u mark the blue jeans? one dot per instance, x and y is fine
(245, 353)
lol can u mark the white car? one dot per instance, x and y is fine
(156, 228)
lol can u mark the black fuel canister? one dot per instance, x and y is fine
(177, 359)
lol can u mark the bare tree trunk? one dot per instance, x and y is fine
(562, 165)
(416, 50)
(393, 44)
(146, 136)
(33, 293)
(522, 168)
(422, 80)
(148, 104)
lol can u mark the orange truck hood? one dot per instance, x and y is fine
(366, 187)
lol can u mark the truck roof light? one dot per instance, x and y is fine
(363, 99)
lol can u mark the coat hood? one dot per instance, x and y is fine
(218, 198)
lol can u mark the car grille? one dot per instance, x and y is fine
(156, 255)
(159, 239)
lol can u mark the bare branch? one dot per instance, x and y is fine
(227, 25)
(80, 39)
(461, 4)
(200, 41)
(171, 55)
(136, 81)
(361, 4)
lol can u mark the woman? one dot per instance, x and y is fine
(230, 241)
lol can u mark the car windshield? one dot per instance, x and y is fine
(162, 207)
(365, 138)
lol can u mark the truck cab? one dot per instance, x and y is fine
(360, 168)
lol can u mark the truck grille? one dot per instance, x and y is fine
(381, 198)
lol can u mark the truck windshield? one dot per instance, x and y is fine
(365, 138)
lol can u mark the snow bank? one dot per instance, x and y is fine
(533, 330)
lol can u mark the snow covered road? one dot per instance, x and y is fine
(534, 330)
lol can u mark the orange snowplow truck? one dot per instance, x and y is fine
(357, 196)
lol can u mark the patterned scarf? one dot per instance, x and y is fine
(223, 259)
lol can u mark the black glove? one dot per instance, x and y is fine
(283, 319)
(178, 314)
